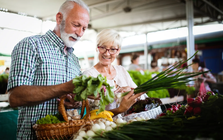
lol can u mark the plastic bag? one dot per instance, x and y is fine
(202, 89)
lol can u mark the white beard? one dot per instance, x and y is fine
(65, 36)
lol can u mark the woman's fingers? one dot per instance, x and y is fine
(128, 100)
(131, 93)
(117, 90)
(135, 96)
(122, 89)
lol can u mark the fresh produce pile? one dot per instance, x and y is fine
(201, 118)
(97, 127)
(144, 105)
(101, 125)
(85, 86)
(104, 114)
(51, 119)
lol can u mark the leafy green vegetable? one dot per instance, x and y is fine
(189, 89)
(85, 86)
(160, 93)
(3, 83)
(49, 119)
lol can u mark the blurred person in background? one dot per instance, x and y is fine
(135, 63)
(184, 58)
(43, 66)
(109, 45)
(6, 71)
(154, 67)
(206, 78)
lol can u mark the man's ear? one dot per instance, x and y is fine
(59, 18)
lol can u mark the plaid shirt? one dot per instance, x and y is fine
(40, 60)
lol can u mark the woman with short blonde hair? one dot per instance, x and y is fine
(109, 45)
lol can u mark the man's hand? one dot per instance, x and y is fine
(94, 98)
(70, 102)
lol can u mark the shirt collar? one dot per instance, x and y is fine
(70, 49)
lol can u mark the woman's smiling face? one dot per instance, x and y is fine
(106, 58)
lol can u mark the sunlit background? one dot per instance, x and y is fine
(21, 26)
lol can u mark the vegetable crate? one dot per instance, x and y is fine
(63, 130)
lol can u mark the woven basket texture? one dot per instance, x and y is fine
(63, 130)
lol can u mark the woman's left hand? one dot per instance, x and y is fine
(128, 100)
(122, 89)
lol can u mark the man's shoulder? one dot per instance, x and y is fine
(32, 39)
(35, 38)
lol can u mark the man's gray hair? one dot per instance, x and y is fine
(68, 5)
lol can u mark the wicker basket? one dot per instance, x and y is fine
(63, 130)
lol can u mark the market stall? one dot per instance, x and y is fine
(142, 116)
(200, 118)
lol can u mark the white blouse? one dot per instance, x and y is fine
(122, 79)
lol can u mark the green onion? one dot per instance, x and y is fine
(168, 79)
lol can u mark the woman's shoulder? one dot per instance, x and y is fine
(119, 68)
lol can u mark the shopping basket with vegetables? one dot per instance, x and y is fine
(66, 129)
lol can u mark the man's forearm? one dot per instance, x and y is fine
(33, 95)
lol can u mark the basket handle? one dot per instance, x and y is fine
(86, 104)
(62, 109)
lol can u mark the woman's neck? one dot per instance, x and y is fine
(106, 70)
(135, 62)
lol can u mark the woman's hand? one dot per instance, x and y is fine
(122, 89)
(70, 102)
(128, 100)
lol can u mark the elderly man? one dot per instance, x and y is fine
(43, 67)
